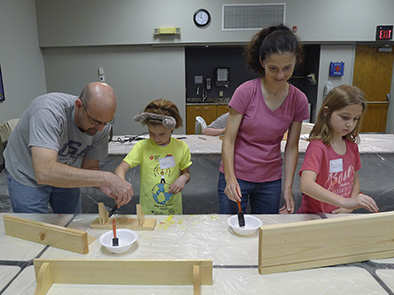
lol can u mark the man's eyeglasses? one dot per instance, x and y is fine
(94, 121)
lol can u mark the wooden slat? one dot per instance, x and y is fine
(140, 215)
(317, 243)
(196, 280)
(44, 279)
(139, 223)
(103, 213)
(125, 222)
(48, 234)
(123, 272)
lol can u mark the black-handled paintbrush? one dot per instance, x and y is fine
(241, 218)
(113, 210)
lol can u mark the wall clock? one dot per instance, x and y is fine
(201, 18)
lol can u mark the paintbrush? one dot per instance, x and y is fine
(115, 240)
(241, 218)
(113, 210)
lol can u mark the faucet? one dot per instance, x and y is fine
(204, 95)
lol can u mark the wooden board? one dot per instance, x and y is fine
(317, 243)
(125, 222)
(139, 223)
(122, 272)
(48, 234)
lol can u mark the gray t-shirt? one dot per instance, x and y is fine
(49, 123)
(220, 122)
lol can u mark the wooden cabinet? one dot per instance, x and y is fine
(208, 112)
(222, 109)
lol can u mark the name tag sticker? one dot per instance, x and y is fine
(167, 162)
(336, 166)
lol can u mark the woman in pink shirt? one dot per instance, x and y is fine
(261, 111)
(329, 174)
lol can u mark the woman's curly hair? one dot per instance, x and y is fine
(271, 40)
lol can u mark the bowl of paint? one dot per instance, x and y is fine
(252, 223)
(126, 237)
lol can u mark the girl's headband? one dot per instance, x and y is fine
(167, 121)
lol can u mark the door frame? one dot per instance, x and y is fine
(390, 111)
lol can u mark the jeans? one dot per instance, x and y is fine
(264, 197)
(27, 199)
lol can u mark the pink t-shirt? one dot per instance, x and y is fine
(257, 155)
(334, 172)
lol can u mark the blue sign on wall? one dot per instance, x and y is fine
(336, 69)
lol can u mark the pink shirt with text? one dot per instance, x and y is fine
(334, 172)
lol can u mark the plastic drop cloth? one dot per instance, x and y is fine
(234, 257)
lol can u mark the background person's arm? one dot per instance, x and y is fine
(213, 131)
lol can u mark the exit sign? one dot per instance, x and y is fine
(384, 33)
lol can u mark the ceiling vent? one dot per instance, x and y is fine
(252, 16)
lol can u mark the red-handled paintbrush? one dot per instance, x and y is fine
(241, 218)
(115, 241)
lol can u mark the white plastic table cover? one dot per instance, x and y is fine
(203, 237)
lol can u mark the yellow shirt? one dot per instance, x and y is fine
(155, 181)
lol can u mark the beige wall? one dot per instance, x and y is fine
(103, 22)
(77, 37)
(139, 74)
(21, 60)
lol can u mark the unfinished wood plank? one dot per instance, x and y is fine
(196, 280)
(140, 215)
(48, 234)
(126, 272)
(103, 213)
(44, 279)
(316, 243)
(139, 223)
(125, 222)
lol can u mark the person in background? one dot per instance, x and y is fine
(329, 174)
(164, 160)
(217, 127)
(261, 110)
(55, 131)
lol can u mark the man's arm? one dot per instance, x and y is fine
(49, 171)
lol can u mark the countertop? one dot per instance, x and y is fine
(212, 145)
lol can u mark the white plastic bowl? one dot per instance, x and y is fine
(251, 225)
(126, 237)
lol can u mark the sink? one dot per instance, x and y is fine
(218, 100)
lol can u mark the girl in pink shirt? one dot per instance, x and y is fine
(329, 174)
(261, 111)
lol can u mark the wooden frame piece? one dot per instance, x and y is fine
(48, 234)
(139, 223)
(317, 243)
(122, 272)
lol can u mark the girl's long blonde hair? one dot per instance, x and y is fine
(338, 98)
